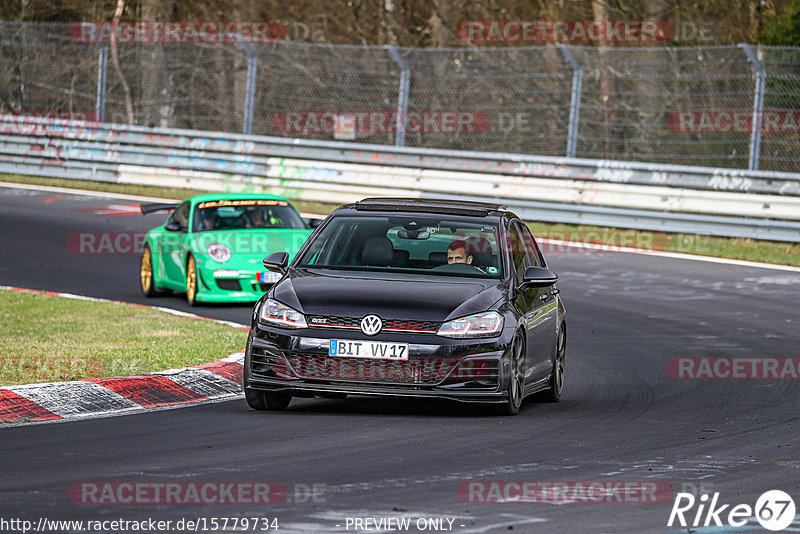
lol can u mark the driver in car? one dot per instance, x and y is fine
(207, 219)
(457, 252)
(254, 218)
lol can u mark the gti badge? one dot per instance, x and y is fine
(371, 325)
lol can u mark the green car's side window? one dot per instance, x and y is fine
(180, 216)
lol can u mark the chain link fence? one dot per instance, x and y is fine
(681, 105)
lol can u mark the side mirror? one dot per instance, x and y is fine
(277, 262)
(314, 223)
(172, 226)
(538, 277)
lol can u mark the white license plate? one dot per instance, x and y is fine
(368, 349)
(267, 278)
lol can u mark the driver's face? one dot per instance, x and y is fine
(458, 255)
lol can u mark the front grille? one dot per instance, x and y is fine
(390, 325)
(476, 373)
(334, 321)
(416, 371)
(228, 284)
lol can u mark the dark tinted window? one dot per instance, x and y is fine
(181, 216)
(531, 248)
(518, 253)
(423, 243)
(245, 214)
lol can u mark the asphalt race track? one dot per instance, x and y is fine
(622, 417)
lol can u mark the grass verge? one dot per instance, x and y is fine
(722, 247)
(47, 338)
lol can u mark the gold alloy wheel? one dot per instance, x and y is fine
(191, 280)
(146, 270)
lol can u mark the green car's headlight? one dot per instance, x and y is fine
(219, 252)
(484, 324)
(273, 312)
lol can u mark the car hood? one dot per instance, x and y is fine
(251, 246)
(440, 298)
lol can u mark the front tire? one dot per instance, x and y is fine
(556, 382)
(516, 379)
(277, 401)
(147, 276)
(191, 281)
(255, 399)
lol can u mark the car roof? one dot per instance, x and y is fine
(234, 196)
(446, 206)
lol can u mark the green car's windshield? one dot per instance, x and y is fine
(245, 214)
(407, 243)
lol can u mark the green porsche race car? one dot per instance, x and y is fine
(212, 246)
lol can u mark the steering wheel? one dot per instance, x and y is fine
(466, 268)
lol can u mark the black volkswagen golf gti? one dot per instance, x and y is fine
(410, 298)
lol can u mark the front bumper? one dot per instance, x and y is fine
(241, 288)
(460, 370)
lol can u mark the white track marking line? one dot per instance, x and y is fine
(663, 254)
(593, 246)
(102, 194)
(171, 311)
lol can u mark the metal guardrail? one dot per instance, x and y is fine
(712, 201)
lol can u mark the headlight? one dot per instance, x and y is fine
(273, 312)
(219, 252)
(484, 324)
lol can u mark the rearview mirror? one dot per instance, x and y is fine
(277, 262)
(413, 234)
(538, 277)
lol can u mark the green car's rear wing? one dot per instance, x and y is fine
(154, 207)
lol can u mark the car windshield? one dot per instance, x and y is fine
(245, 214)
(407, 243)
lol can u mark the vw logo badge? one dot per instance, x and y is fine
(371, 325)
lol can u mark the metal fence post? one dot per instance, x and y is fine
(758, 105)
(102, 77)
(575, 99)
(402, 96)
(250, 95)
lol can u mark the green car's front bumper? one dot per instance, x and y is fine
(217, 286)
